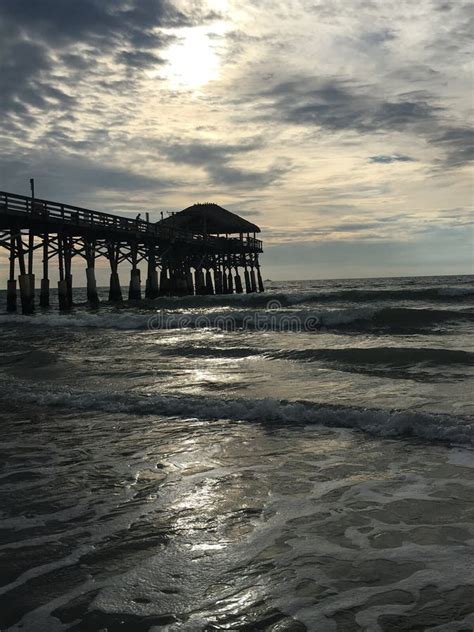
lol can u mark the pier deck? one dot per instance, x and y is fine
(62, 231)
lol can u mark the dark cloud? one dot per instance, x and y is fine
(336, 104)
(23, 63)
(216, 160)
(48, 48)
(442, 6)
(200, 154)
(138, 59)
(72, 176)
(376, 38)
(458, 144)
(105, 22)
(388, 158)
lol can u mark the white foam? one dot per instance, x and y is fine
(112, 320)
(387, 423)
(293, 320)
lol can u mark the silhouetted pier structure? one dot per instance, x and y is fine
(197, 251)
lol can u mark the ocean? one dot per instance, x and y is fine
(297, 460)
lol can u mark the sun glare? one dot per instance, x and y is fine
(192, 61)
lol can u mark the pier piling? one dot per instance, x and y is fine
(248, 287)
(164, 282)
(44, 291)
(209, 284)
(115, 291)
(218, 280)
(261, 287)
(230, 282)
(11, 283)
(238, 282)
(151, 286)
(253, 283)
(90, 256)
(134, 290)
(63, 295)
(189, 281)
(27, 293)
(92, 295)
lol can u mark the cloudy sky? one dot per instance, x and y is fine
(341, 127)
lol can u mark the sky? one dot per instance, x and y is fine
(343, 128)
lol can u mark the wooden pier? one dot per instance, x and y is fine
(200, 250)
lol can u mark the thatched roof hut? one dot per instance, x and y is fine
(209, 219)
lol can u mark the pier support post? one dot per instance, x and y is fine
(209, 284)
(199, 282)
(172, 283)
(189, 282)
(181, 283)
(248, 286)
(67, 242)
(62, 285)
(63, 296)
(44, 292)
(92, 295)
(11, 283)
(69, 289)
(225, 287)
(151, 285)
(218, 280)
(151, 288)
(253, 282)
(164, 282)
(27, 293)
(26, 279)
(261, 287)
(230, 283)
(134, 291)
(238, 282)
(115, 291)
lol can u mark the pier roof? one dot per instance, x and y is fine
(210, 219)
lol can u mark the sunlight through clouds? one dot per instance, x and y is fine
(192, 61)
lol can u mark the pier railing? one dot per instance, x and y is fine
(46, 211)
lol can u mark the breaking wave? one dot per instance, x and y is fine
(286, 299)
(386, 423)
(260, 320)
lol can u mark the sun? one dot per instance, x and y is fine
(192, 61)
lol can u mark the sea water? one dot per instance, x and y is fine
(295, 460)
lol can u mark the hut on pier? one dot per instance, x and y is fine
(210, 219)
(218, 271)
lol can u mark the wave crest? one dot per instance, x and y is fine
(386, 423)
(258, 320)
